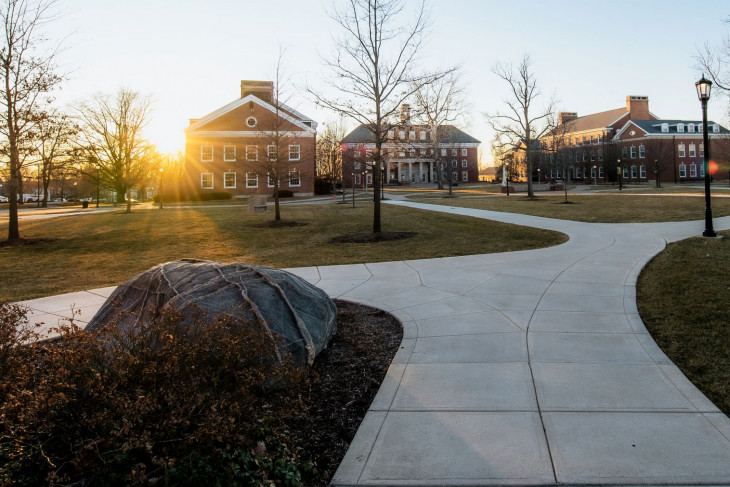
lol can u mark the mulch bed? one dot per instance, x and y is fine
(373, 237)
(342, 384)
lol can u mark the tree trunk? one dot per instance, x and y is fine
(277, 211)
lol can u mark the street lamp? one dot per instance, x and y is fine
(161, 170)
(38, 191)
(538, 175)
(353, 191)
(618, 169)
(703, 92)
(595, 177)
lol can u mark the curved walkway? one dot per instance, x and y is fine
(523, 368)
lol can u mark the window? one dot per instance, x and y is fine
(593, 156)
(665, 128)
(454, 152)
(229, 180)
(464, 152)
(702, 170)
(252, 180)
(412, 135)
(680, 127)
(692, 171)
(206, 153)
(252, 153)
(294, 152)
(294, 178)
(453, 176)
(642, 171)
(229, 153)
(443, 152)
(633, 172)
(600, 172)
(356, 153)
(680, 150)
(251, 122)
(625, 172)
(464, 176)
(584, 156)
(369, 154)
(357, 165)
(682, 170)
(699, 128)
(423, 135)
(593, 172)
(206, 180)
(585, 172)
(464, 163)
(270, 180)
(402, 153)
(402, 134)
(600, 154)
(690, 127)
(715, 129)
(702, 150)
(625, 152)
(271, 152)
(391, 134)
(642, 151)
(633, 152)
(357, 179)
(453, 163)
(590, 139)
(600, 138)
(412, 152)
(692, 151)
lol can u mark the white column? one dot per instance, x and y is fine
(387, 171)
(410, 172)
(420, 171)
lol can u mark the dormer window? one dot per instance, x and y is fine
(691, 128)
(665, 128)
(680, 127)
(391, 134)
(715, 129)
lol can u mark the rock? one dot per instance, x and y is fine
(300, 314)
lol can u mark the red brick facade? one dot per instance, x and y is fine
(243, 147)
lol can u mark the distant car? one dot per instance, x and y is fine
(59, 200)
(3, 199)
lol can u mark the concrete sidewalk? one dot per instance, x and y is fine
(521, 368)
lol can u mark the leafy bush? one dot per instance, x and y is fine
(170, 403)
(286, 193)
(323, 185)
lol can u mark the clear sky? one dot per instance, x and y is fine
(190, 55)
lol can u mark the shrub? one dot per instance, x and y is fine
(285, 193)
(170, 403)
(323, 185)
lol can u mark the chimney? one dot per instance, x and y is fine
(638, 107)
(263, 90)
(405, 113)
(564, 117)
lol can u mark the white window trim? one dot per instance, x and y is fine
(269, 152)
(633, 172)
(633, 152)
(212, 180)
(683, 170)
(225, 186)
(600, 171)
(464, 152)
(692, 150)
(255, 153)
(642, 151)
(642, 171)
(680, 127)
(202, 157)
(298, 152)
(255, 180)
(464, 176)
(299, 177)
(681, 150)
(228, 159)
(269, 180)
(422, 135)
(464, 163)
(249, 124)
(693, 170)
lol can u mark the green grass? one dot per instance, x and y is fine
(593, 208)
(683, 296)
(107, 249)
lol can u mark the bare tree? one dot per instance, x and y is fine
(504, 159)
(556, 148)
(372, 70)
(441, 105)
(53, 134)
(111, 128)
(715, 61)
(520, 124)
(329, 152)
(27, 75)
(660, 155)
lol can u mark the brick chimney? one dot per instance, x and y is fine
(405, 113)
(638, 107)
(260, 89)
(564, 117)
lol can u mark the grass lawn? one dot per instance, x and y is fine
(91, 251)
(594, 208)
(683, 296)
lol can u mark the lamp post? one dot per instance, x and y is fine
(595, 177)
(38, 190)
(620, 181)
(161, 171)
(353, 191)
(703, 92)
(97, 186)
(538, 175)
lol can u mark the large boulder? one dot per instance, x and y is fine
(300, 314)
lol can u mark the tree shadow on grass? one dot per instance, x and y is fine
(27, 241)
(373, 237)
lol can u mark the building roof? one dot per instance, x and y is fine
(363, 135)
(655, 126)
(595, 120)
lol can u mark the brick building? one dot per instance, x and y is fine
(245, 146)
(592, 148)
(413, 154)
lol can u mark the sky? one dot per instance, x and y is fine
(189, 56)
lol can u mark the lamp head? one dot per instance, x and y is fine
(704, 86)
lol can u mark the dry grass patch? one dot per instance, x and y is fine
(595, 208)
(109, 248)
(683, 296)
